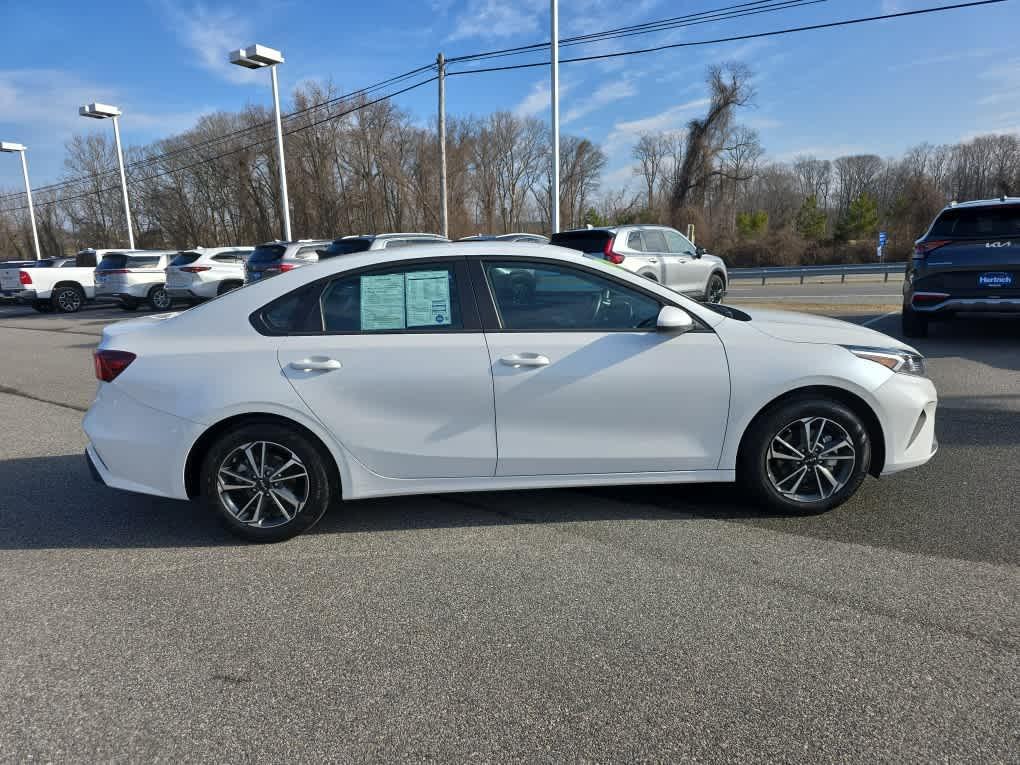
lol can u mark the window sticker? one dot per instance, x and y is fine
(382, 302)
(428, 298)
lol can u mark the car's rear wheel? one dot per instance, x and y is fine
(913, 324)
(715, 289)
(267, 482)
(159, 299)
(68, 299)
(805, 456)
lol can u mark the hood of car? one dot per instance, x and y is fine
(809, 328)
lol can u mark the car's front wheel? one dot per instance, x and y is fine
(805, 456)
(715, 289)
(267, 482)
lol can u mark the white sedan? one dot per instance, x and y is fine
(467, 367)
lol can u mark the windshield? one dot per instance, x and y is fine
(978, 223)
(345, 247)
(267, 253)
(185, 259)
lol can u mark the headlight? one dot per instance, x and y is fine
(891, 358)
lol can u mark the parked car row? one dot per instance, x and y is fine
(157, 278)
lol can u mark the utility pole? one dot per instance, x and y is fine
(444, 216)
(554, 216)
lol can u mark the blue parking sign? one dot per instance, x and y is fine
(882, 238)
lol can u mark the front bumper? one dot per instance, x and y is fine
(135, 447)
(907, 406)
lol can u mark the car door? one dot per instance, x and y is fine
(392, 360)
(585, 384)
(687, 272)
(639, 261)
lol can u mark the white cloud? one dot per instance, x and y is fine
(672, 118)
(607, 94)
(497, 18)
(536, 102)
(211, 33)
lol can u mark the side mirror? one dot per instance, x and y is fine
(699, 251)
(672, 319)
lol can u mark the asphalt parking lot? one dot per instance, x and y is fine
(651, 623)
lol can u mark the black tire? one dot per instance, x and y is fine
(159, 299)
(715, 289)
(226, 287)
(321, 488)
(754, 470)
(913, 323)
(42, 306)
(69, 299)
(129, 304)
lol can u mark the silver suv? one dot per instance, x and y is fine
(659, 253)
(133, 277)
(274, 258)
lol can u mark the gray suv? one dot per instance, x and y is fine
(659, 253)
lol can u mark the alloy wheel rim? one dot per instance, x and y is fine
(715, 292)
(811, 459)
(161, 299)
(262, 484)
(69, 300)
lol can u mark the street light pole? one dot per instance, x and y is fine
(102, 112)
(554, 215)
(257, 57)
(444, 216)
(20, 149)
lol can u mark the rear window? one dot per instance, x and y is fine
(267, 253)
(345, 247)
(978, 223)
(112, 260)
(582, 241)
(185, 259)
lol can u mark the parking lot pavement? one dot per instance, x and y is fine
(645, 623)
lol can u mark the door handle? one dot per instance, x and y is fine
(652, 260)
(315, 365)
(525, 360)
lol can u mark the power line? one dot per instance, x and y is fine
(221, 138)
(238, 150)
(692, 19)
(736, 38)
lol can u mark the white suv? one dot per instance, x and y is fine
(659, 253)
(206, 272)
(133, 277)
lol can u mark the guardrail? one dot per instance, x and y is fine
(802, 271)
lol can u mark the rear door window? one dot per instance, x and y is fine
(112, 260)
(655, 240)
(978, 223)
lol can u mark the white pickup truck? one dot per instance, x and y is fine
(53, 284)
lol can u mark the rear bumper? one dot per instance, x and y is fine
(135, 447)
(18, 296)
(966, 304)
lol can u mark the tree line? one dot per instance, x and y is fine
(365, 167)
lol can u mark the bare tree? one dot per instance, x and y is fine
(651, 152)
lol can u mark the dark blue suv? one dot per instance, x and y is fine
(969, 260)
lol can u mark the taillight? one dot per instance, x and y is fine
(922, 249)
(929, 298)
(109, 364)
(281, 268)
(25, 277)
(195, 269)
(611, 255)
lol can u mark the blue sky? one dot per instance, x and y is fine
(880, 87)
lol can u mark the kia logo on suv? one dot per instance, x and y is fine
(998, 244)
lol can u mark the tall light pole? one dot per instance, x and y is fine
(554, 41)
(7, 146)
(258, 57)
(102, 112)
(444, 216)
